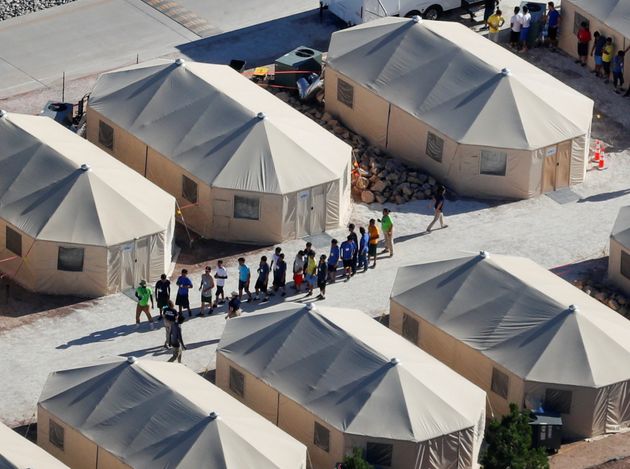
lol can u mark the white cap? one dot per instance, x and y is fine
(261, 115)
(416, 19)
(85, 167)
(484, 254)
(506, 72)
(132, 359)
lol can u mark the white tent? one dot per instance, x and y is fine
(73, 220)
(16, 452)
(337, 379)
(147, 414)
(475, 115)
(246, 166)
(521, 333)
(619, 256)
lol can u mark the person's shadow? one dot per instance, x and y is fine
(605, 196)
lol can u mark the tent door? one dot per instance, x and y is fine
(127, 266)
(141, 261)
(221, 218)
(556, 167)
(318, 210)
(303, 213)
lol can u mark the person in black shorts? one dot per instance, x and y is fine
(162, 293)
(182, 300)
(322, 276)
(438, 206)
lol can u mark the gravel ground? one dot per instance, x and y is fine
(14, 8)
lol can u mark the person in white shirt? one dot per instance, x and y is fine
(526, 22)
(515, 27)
(221, 275)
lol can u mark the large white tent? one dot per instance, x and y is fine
(610, 17)
(440, 96)
(244, 165)
(336, 379)
(73, 220)
(522, 334)
(128, 413)
(619, 255)
(16, 452)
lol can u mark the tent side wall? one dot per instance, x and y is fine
(78, 451)
(37, 269)
(462, 359)
(568, 41)
(614, 265)
(107, 460)
(369, 113)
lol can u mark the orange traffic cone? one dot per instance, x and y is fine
(598, 150)
(600, 162)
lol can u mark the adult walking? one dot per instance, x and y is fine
(144, 294)
(182, 299)
(438, 207)
(387, 227)
(374, 235)
(583, 39)
(170, 316)
(244, 277)
(488, 10)
(162, 293)
(205, 287)
(553, 21)
(176, 340)
(221, 276)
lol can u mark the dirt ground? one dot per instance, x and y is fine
(609, 452)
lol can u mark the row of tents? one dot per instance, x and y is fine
(467, 336)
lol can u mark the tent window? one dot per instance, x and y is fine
(557, 400)
(321, 437)
(577, 21)
(410, 329)
(105, 135)
(345, 93)
(500, 383)
(237, 382)
(55, 434)
(247, 208)
(493, 162)
(379, 454)
(14, 241)
(435, 147)
(625, 264)
(70, 259)
(189, 189)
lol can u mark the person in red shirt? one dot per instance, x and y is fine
(583, 38)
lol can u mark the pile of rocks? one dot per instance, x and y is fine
(14, 8)
(378, 177)
(604, 294)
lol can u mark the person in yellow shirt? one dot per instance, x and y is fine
(607, 56)
(494, 24)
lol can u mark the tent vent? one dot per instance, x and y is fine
(506, 72)
(261, 115)
(311, 307)
(484, 254)
(416, 19)
(213, 416)
(179, 62)
(394, 361)
(2, 113)
(132, 359)
(85, 167)
(574, 308)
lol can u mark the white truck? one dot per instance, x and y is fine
(361, 11)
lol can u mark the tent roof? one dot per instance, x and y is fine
(16, 452)
(45, 193)
(451, 78)
(157, 414)
(337, 363)
(613, 13)
(204, 117)
(518, 314)
(621, 229)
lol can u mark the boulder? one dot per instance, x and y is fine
(405, 188)
(399, 200)
(326, 117)
(378, 186)
(362, 183)
(380, 199)
(612, 304)
(367, 197)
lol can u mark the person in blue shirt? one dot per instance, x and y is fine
(348, 250)
(617, 70)
(333, 260)
(553, 21)
(184, 284)
(234, 306)
(263, 279)
(364, 241)
(244, 276)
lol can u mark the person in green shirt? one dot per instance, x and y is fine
(387, 227)
(144, 294)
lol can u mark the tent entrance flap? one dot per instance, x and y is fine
(556, 167)
(318, 210)
(135, 263)
(303, 213)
